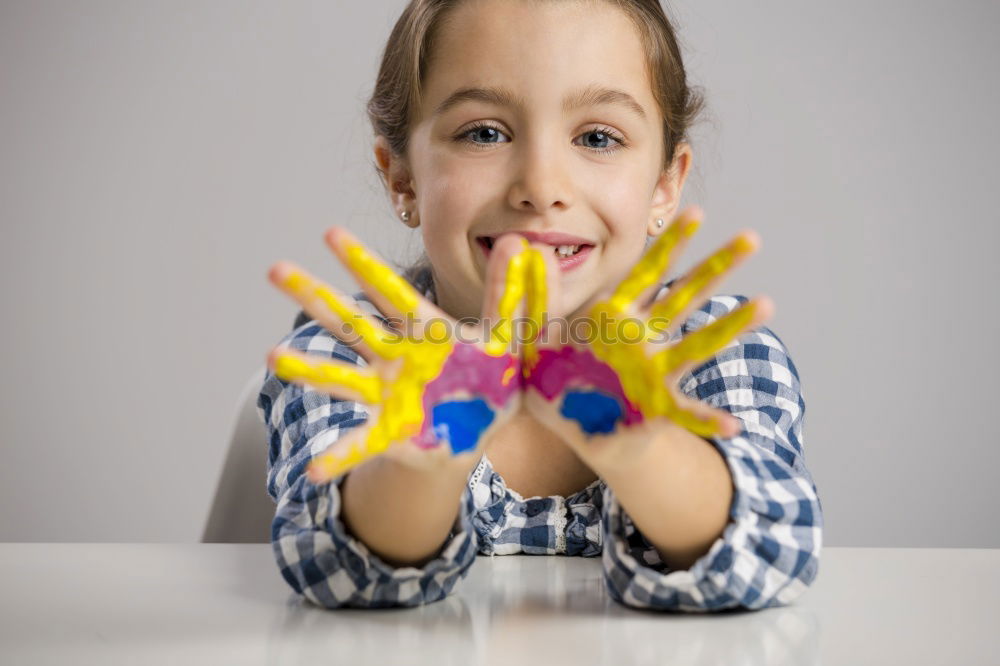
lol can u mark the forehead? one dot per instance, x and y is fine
(540, 51)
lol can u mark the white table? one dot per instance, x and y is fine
(69, 603)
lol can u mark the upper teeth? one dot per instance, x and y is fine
(567, 250)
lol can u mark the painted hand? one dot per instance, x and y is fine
(433, 396)
(608, 386)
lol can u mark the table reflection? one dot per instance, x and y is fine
(554, 609)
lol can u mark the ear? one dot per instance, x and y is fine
(398, 180)
(667, 193)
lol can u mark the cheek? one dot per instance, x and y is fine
(448, 210)
(454, 197)
(624, 205)
(446, 207)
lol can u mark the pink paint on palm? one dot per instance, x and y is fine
(572, 368)
(469, 373)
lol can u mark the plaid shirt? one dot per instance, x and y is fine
(767, 555)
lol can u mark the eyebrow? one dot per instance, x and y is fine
(590, 96)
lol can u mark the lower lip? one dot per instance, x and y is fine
(565, 263)
(574, 260)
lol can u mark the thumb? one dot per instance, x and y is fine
(504, 289)
(543, 295)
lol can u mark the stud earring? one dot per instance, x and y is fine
(405, 215)
(659, 223)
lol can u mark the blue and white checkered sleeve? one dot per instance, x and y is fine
(315, 553)
(769, 551)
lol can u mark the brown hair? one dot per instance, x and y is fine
(397, 92)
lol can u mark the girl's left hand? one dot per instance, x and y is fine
(613, 392)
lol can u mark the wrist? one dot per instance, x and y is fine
(447, 472)
(660, 440)
(403, 514)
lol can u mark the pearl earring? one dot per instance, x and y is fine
(659, 223)
(405, 215)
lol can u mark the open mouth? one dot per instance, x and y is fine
(568, 251)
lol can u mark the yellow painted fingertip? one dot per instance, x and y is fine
(319, 470)
(631, 331)
(399, 292)
(743, 245)
(437, 332)
(647, 270)
(296, 282)
(703, 343)
(290, 368)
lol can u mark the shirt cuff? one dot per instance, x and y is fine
(767, 555)
(332, 568)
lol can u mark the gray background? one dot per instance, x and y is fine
(157, 157)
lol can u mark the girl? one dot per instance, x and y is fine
(561, 123)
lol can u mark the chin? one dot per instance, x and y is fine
(573, 299)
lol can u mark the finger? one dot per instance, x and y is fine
(702, 419)
(542, 287)
(519, 279)
(688, 293)
(519, 276)
(502, 300)
(342, 456)
(337, 378)
(504, 277)
(707, 341)
(654, 263)
(334, 311)
(541, 291)
(376, 438)
(390, 293)
(354, 449)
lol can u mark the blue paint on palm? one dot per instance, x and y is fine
(461, 422)
(596, 412)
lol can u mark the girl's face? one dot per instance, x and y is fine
(537, 118)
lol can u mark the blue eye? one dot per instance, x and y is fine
(487, 131)
(483, 132)
(605, 137)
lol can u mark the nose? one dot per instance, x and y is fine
(541, 181)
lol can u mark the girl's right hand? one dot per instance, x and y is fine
(435, 388)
